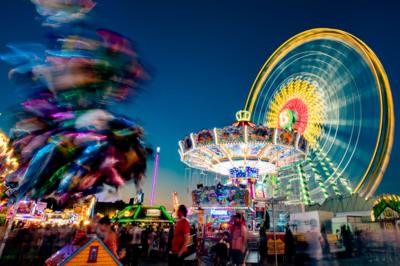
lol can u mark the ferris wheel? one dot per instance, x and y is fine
(330, 87)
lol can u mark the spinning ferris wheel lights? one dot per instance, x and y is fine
(330, 87)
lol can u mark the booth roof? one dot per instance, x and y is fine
(139, 214)
(338, 204)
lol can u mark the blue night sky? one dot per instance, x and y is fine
(205, 56)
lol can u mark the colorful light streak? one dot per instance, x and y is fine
(154, 179)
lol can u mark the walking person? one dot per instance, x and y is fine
(239, 240)
(324, 243)
(289, 244)
(222, 250)
(263, 239)
(80, 235)
(151, 236)
(347, 240)
(109, 236)
(134, 245)
(123, 242)
(180, 239)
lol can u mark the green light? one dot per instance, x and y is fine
(286, 119)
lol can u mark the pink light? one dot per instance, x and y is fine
(251, 188)
(154, 180)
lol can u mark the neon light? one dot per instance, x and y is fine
(219, 212)
(175, 200)
(243, 172)
(153, 185)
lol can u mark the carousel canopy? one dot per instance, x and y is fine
(242, 149)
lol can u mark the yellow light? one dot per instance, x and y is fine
(309, 94)
(7, 158)
(243, 116)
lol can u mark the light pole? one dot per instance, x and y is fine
(154, 180)
(272, 201)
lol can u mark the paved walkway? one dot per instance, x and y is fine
(359, 261)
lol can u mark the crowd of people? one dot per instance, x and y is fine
(33, 243)
(129, 242)
(229, 245)
(345, 243)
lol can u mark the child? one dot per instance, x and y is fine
(222, 249)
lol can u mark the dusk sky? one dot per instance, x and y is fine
(205, 56)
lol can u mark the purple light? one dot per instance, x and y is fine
(153, 185)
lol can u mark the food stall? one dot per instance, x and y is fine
(144, 215)
(215, 205)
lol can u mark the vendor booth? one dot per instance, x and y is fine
(215, 205)
(386, 211)
(144, 215)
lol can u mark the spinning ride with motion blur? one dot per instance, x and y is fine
(328, 86)
(248, 156)
(318, 122)
(244, 151)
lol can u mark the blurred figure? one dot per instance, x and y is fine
(110, 238)
(239, 240)
(133, 251)
(149, 240)
(163, 241)
(289, 244)
(222, 249)
(347, 238)
(170, 237)
(180, 239)
(324, 242)
(263, 240)
(145, 245)
(80, 234)
(359, 239)
(123, 242)
(312, 239)
(46, 249)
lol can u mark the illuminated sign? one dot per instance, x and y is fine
(223, 196)
(244, 172)
(153, 213)
(39, 209)
(25, 207)
(219, 212)
(127, 213)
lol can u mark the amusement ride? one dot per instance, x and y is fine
(318, 122)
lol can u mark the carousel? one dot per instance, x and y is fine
(246, 157)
